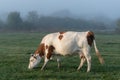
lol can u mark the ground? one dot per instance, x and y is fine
(15, 49)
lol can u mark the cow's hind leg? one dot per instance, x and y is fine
(88, 58)
(82, 57)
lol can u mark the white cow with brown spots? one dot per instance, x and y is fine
(65, 43)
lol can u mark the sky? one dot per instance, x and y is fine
(109, 8)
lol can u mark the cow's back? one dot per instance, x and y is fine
(64, 43)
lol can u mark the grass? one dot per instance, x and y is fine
(15, 49)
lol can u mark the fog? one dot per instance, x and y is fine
(87, 8)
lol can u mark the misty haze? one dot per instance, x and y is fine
(33, 15)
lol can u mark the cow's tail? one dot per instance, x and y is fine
(98, 53)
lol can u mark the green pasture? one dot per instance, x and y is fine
(15, 49)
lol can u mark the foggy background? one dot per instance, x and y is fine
(55, 15)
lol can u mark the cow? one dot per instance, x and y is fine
(65, 43)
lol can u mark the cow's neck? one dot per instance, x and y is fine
(40, 50)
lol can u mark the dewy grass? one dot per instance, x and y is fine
(15, 49)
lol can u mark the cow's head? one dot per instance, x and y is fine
(34, 61)
(36, 57)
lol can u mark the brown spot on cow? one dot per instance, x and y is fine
(90, 37)
(40, 50)
(50, 51)
(82, 55)
(46, 46)
(61, 35)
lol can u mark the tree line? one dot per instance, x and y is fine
(33, 22)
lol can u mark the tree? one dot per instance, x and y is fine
(118, 26)
(33, 19)
(1, 24)
(14, 21)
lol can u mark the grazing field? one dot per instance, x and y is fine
(15, 49)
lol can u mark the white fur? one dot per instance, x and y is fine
(70, 44)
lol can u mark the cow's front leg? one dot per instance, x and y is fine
(45, 62)
(59, 63)
(49, 51)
